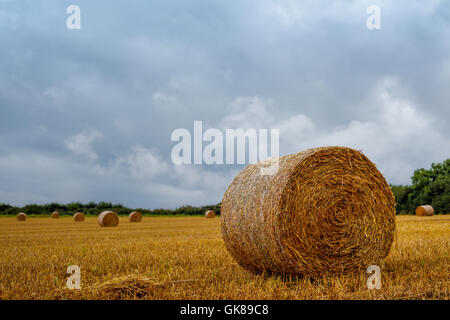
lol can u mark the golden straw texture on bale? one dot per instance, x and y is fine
(425, 210)
(325, 211)
(135, 217)
(21, 216)
(108, 219)
(78, 217)
(55, 215)
(210, 214)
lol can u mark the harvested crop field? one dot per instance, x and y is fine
(186, 258)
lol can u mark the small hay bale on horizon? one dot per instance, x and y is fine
(323, 211)
(55, 215)
(135, 216)
(424, 210)
(108, 219)
(78, 217)
(210, 214)
(21, 216)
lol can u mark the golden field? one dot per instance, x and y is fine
(186, 258)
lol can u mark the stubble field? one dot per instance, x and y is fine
(186, 258)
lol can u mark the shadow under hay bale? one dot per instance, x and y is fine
(108, 219)
(324, 211)
(135, 217)
(21, 217)
(78, 217)
(210, 214)
(55, 215)
(425, 210)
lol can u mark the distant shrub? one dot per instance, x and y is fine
(93, 208)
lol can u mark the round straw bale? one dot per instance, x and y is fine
(425, 210)
(78, 217)
(135, 217)
(108, 219)
(210, 214)
(55, 215)
(323, 211)
(21, 216)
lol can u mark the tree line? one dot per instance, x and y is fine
(93, 208)
(429, 186)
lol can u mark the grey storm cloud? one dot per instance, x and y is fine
(87, 115)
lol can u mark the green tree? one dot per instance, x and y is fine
(401, 198)
(431, 187)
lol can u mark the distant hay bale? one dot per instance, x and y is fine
(324, 211)
(21, 216)
(108, 219)
(55, 215)
(78, 217)
(210, 214)
(425, 210)
(135, 217)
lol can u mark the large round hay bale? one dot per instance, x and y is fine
(21, 216)
(78, 217)
(55, 215)
(135, 217)
(324, 211)
(210, 214)
(425, 210)
(108, 219)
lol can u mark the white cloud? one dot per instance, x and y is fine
(140, 179)
(81, 144)
(163, 101)
(177, 184)
(247, 112)
(399, 138)
(141, 163)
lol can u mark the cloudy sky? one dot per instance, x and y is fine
(87, 115)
